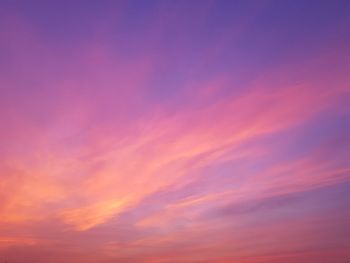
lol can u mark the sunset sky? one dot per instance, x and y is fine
(174, 131)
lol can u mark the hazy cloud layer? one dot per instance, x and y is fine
(174, 132)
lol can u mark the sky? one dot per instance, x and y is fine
(174, 131)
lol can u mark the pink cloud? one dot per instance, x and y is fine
(87, 142)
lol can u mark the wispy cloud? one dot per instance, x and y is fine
(147, 147)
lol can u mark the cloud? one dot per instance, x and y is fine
(140, 152)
